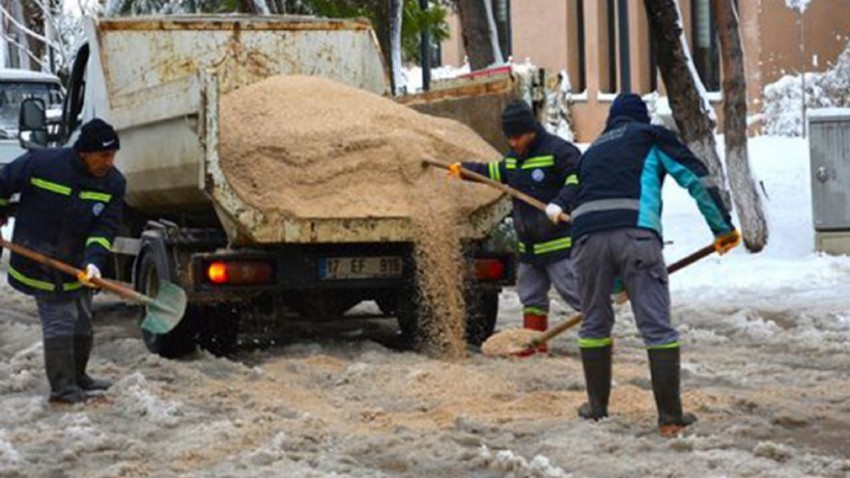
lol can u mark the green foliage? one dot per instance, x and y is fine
(414, 19)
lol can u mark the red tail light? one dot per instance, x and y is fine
(240, 273)
(489, 269)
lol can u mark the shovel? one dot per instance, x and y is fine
(516, 341)
(162, 313)
(480, 178)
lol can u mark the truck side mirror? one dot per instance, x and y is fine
(32, 124)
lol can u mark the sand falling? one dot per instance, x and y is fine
(307, 147)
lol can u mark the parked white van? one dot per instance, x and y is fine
(16, 86)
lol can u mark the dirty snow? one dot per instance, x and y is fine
(765, 367)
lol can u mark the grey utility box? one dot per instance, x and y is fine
(829, 153)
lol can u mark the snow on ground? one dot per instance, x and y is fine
(765, 367)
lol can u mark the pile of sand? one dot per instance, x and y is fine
(309, 147)
(312, 148)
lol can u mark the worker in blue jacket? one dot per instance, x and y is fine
(617, 234)
(543, 166)
(70, 207)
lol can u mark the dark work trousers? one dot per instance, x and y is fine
(534, 282)
(65, 316)
(635, 256)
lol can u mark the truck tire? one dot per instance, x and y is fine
(218, 327)
(482, 308)
(180, 341)
(406, 310)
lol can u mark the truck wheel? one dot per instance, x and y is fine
(181, 340)
(218, 329)
(407, 315)
(482, 308)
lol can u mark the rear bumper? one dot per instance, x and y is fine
(303, 268)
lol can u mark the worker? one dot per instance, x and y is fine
(70, 208)
(617, 234)
(543, 166)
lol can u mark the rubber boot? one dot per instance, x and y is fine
(535, 321)
(665, 369)
(597, 378)
(59, 365)
(82, 352)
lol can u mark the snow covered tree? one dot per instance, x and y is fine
(41, 34)
(692, 111)
(395, 18)
(747, 201)
(480, 37)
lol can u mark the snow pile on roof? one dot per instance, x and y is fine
(782, 112)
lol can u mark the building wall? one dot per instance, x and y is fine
(543, 32)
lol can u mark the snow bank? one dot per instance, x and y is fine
(788, 268)
(782, 110)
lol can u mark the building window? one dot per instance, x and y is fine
(607, 42)
(502, 12)
(706, 51)
(576, 45)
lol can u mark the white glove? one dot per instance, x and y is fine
(554, 212)
(91, 272)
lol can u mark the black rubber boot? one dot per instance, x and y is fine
(59, 365)
(664, 366)
(82, 352)
(597, 378)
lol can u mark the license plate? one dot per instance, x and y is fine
(333, 268)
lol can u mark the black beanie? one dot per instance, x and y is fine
(97, 135)
(517, 119)
(630, 105)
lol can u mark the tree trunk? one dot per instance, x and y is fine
(744, 193)
(396, 14)
(479, 35)
(691, 109)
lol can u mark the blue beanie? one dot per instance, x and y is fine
(630, 105)
(518, 119)
(97, 135)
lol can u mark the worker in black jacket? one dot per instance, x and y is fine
(543, 166)
(70, 208)
(617, 233)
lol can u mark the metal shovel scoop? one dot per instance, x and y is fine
(162, 313)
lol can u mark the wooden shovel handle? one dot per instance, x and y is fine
(502, 187)
(576, 318)
(125, 292)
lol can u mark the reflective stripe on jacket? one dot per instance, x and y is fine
(547, 172)
(622, 174)
(64, 213)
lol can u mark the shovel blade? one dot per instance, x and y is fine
(166, 310)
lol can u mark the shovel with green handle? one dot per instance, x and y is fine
(162, 313)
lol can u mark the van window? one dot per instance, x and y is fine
(12, 93)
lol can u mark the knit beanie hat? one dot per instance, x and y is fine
(517, 119)
(97, 135)
(631, 105)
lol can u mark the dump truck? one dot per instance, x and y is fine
(159, 81)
